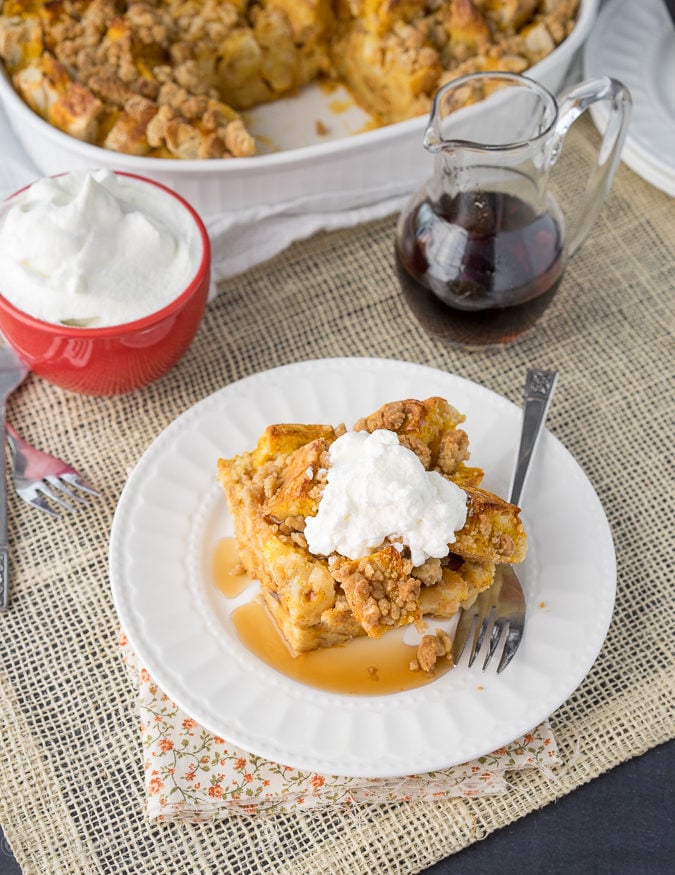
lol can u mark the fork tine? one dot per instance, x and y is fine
(464, 629)
(41, 479)
(495, 638)
(57, 483)
(53, 496)
(482, 631)
(76, 480)
(473, 624)
(40, 503)
(513, 637)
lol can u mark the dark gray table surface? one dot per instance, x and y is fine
(622, 823)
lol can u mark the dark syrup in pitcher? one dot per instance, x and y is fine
(479, 268)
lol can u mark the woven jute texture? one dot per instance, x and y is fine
(71, 788)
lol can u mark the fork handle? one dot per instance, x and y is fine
(4, 549)
(539, 388)
(4, 578)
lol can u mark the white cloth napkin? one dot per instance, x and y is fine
(243, 238)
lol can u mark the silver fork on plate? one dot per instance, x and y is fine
(43, 480)
(499, 612)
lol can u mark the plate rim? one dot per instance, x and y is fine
(271, 751)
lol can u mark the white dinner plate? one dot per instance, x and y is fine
(172, 513)
(635, 43)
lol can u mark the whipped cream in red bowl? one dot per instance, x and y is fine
(104, 277)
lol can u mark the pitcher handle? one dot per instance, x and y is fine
(571, 106)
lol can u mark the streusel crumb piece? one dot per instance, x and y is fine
(430, 649)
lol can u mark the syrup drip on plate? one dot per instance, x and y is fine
(362, 666)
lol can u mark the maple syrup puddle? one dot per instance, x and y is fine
(363, 666)
(226, 569)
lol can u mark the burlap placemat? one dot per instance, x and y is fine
(71, 797)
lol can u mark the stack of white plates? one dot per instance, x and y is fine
(635, 43)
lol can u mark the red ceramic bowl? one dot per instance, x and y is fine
(119, 358)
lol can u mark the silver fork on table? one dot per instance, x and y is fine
(500, 610)
(43, 480)
(12, 373)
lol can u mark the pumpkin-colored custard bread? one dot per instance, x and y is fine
(354, 533)
(171, 78)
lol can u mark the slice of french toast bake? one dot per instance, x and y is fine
(342, 550)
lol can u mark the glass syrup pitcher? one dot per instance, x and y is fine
(482, 247)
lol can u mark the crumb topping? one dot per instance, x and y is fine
(430, 649)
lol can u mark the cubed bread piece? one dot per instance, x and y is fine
(443, 599)
(283, 439)
(299, 490)
(493, 530)
(428, 428)
(379, 589)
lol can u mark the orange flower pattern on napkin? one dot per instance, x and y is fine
(191, 774)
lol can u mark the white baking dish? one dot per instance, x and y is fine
(354, 168)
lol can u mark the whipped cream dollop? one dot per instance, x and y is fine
(91, 248)
(378, 490)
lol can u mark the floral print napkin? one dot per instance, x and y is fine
(191, 774)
